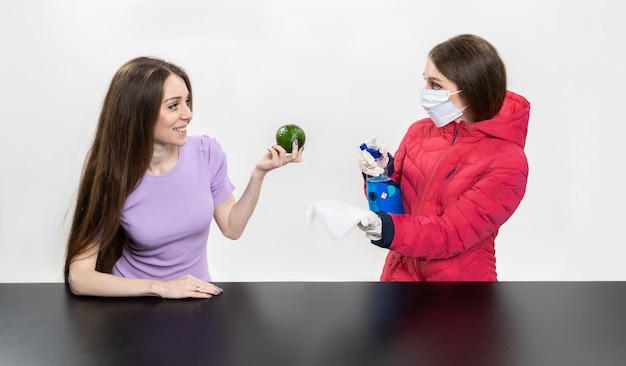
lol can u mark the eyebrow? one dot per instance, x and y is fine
(172, 98)
(432, 78)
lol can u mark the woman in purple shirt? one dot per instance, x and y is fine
(148, 192)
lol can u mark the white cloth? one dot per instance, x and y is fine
(339, 217)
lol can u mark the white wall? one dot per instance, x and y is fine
(343, 70)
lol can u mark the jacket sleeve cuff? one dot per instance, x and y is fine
(388, 230)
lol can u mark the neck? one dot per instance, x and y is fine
(164, 159)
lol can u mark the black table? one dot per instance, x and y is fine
(325, 323)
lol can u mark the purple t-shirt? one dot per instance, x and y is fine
(167, 217)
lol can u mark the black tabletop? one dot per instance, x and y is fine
(322, 323)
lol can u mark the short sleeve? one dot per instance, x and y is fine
(215, 157)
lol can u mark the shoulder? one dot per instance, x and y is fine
(424, 127)
(421, 125)
(421, 131)
(203, 144)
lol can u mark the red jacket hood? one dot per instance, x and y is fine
(511, 123)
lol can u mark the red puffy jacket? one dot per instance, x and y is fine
(459, 184)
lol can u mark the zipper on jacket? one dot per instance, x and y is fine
(456, 132)
(450, 173)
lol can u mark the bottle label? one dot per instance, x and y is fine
(383, 194)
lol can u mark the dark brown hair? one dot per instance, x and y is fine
(475, 66)
(118, 158)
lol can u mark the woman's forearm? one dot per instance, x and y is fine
(93, 283)
(244, 208)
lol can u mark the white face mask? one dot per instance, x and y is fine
(438, 106)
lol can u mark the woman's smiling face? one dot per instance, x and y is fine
(174, 114)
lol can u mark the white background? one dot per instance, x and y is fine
(343, 70)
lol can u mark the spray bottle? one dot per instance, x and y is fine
(383, 193)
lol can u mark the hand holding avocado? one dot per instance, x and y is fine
(287, 134)
(288, 137)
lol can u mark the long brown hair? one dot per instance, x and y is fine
(118, 158)
(475, 66)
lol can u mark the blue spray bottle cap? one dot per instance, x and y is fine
(373, 151)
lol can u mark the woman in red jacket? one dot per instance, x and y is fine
(462, 171)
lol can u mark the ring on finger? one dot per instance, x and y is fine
(197, 288)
